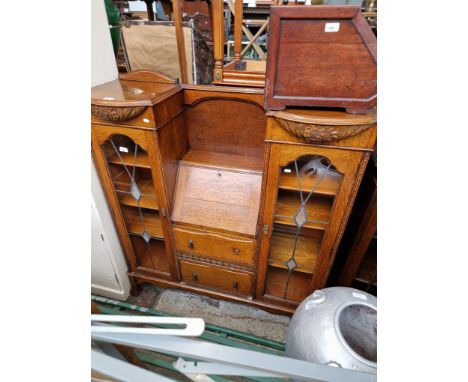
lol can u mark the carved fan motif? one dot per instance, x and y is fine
(320, 133)
(112, 113)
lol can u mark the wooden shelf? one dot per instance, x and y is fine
(152, 257)
(223, 161)
(147, 199)
(152, 222)
(317, 209)
(141, 159)
(329, 185)
(307, 251)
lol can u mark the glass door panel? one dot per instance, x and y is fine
(130, 171)
(307, 189)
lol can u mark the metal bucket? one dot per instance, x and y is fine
(336, 327)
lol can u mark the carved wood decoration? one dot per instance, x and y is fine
(208, 260)
(320, 133)
(117, 114)
(316, 130)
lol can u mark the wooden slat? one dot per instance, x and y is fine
(152, 222)
(329, 185)
(317, 209)
(147, 199)
(141, 159)
(307, 251)
(223, 161)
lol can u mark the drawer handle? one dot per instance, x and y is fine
(190, 244)
(236, 250)
(194, 276)
(235, 284)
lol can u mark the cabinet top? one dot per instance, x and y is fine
(325, 117)
(132, 93)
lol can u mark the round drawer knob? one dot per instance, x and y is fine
(190, 244)
(194, 276)
(236, 250)
(235, 284)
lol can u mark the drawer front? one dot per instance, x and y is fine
(224, 248)
(216, 278)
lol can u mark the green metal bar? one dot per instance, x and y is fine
(215, 328)
(157, 362)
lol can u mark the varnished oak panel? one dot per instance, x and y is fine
(219, 199)
(121, 93)
(173, 145)
(214, 245)
(216, 278)
(228, 125)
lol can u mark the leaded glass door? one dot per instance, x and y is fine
(131, 174)
(301, 221)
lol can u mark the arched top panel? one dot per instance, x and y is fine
(228, 125)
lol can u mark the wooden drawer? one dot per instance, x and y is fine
(216, 278)
(215, 246)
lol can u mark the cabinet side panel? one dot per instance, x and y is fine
(156, 169)
(173, 145)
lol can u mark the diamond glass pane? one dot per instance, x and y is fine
(135, 191)
(291, 263)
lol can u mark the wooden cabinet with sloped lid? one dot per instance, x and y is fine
(212, 194)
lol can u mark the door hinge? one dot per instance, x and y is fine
(163, 212)
(265, 229)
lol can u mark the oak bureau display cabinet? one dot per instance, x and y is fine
(212, 194)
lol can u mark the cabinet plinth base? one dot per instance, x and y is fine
(271, 308)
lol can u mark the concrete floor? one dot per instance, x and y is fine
(232, 315)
